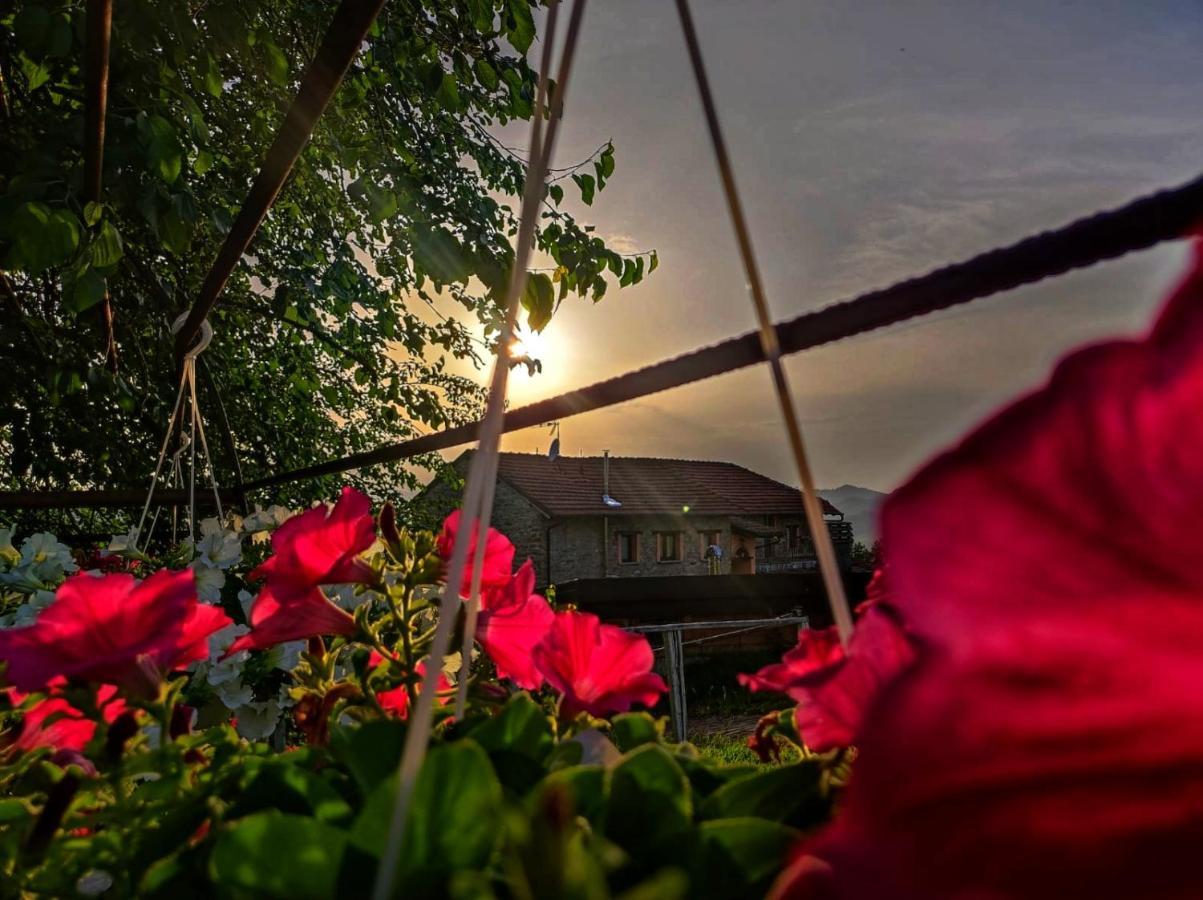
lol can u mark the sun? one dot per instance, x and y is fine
(534, 344)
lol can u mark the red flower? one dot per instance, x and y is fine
(833, 690)
(317, 547)
(53, 722)
(115, 630)
(598, 668)
(1048, 741)
(513, 620)
(499, 554)
(396, 700)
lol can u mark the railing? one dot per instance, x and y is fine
(797, 562)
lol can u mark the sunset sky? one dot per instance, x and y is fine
(871, 142)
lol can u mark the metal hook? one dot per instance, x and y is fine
(206, 335)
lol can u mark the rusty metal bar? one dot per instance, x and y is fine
(100, 27)
(346, 33)
(112, 499)
(1162, 216)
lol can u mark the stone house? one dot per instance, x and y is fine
(662, 517)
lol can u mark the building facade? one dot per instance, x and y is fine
(664, 517)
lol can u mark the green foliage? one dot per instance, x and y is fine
(385, 255)
(228, 818)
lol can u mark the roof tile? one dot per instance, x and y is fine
(572, 486)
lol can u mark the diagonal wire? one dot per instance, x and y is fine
(769, 344)
(543, 148)
(418, 732)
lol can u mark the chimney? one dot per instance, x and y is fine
(606, 473)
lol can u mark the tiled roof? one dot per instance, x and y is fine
(572, 486)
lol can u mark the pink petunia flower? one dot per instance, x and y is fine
(113, 629)
(513, 620)
(499, 554)
(1048, 741)
(314, 548)
(599, 669)
(833, 690)
(396, 700)
(54, 722)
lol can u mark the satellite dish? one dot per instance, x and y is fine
(610, 501)
(553, 452)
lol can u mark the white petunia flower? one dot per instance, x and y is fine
(286, 655)
(262, 521)
(124, 543)
(257, 720)
(218, 548)
(9, 555)
(46, 558)
(209, 581)
(27, 613)
(246, 599)
(234, 694)
(284, 698)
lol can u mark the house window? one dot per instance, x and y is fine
(794, 533)
(628, 547)
(710, 539)
(668, 546)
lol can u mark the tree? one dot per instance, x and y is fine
(866, 557)
(334, 334)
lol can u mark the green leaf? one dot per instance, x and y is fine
(382, 203)
(291, 789)
(163, 147)
(448, 93)
(520, 727)
(585, 785)
(276, 62)
(486, 74)
(628, 273)
(585, 183)
(106, 248)
(607, 161)
(86, 291)
(36, 74)
(631, 730)
(213, 82)
(556, 192)
(203, 162)
(741, 857)
(276, 854)
(31, 26)
(454, 817)
(539, 300)
(439, 255)
(482, 15)
(520, 24)
(653, 262)
(649, 803)
(92, 212)
(43, 237)
(371, 751)
(786, 794)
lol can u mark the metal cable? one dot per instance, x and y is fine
(1166, 215)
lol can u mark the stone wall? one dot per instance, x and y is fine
(577, 546)
(513, 515)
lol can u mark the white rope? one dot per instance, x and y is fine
(187, 391)
(828, 564)
(484, 460)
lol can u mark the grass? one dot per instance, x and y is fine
(727, 750)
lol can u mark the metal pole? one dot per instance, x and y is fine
(676, 683)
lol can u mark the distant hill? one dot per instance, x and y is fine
(859, 506)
